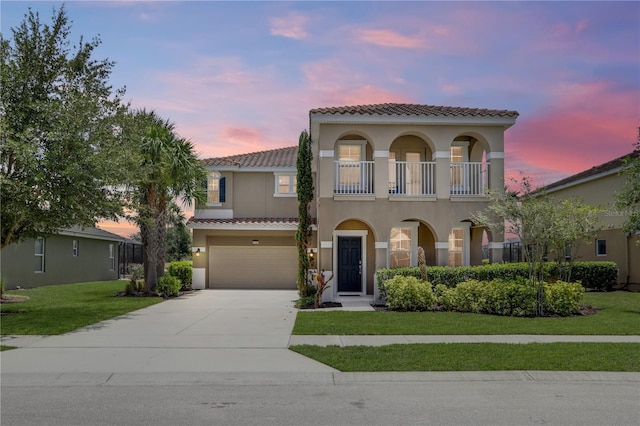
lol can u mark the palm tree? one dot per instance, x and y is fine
(169, 169)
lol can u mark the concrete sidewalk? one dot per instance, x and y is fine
(378, 340)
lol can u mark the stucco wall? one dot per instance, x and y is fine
(61, 267)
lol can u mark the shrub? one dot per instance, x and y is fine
(601, 276)
(469, 296)
(593, 275)
(562, 298)
(168, 286)
(183, 270)
(135, 287)
(409, 294)
(137, 271)
(512, 298)
(497, 297)
(445, 297)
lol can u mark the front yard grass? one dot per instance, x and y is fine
(479, 357)
(59, 309)
(619, 314)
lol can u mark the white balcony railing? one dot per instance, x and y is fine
(468, 179)
(413, 178)
(354, 177)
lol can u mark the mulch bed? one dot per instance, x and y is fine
(324, 305)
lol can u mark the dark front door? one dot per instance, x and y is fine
(349, 264)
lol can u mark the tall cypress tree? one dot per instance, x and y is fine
(305, 196)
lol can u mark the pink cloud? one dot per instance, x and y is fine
(591, 123)
(291, 26)
(389, 38)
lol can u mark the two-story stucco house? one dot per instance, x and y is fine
(389, 178)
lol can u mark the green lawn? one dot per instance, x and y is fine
(62, 308)
(6, 348)
(479, 357)
(619, 315)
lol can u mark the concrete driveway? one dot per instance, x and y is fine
(206, 331)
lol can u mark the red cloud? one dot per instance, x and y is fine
(591, 125)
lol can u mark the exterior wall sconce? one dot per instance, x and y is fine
(255, 242)
(311, 252)
(198, 252)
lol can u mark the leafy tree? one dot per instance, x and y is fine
(168, 169)
(61, 153)
(545, 226)
(629, 199)
(304, 185)
(574, 224)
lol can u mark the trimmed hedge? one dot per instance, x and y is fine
(600, 276)
(183, 270)
(496, 297)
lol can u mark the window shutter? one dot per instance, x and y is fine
(223, 186)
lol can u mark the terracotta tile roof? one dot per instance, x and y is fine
(413, 110)
(281, 157)
(593, 171)
(257, 222)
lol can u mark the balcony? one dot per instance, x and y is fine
(353, 178)
(468, 179)
(412, 178)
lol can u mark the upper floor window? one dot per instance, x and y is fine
(39, 255)
(215, 188)
(601, 247)
(285, 184)
(350, 152)
(75, 248)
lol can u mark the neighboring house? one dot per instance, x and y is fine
(70, 256)
(388, 178)
(598, 186)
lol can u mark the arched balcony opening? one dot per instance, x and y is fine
(411, 171)
(354, 166)
(468, 169)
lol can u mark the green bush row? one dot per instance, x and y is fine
(497, 297)
(592, 275)
(183, 270)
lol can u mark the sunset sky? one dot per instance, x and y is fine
(238, 77)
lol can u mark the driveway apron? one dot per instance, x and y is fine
(206, 331)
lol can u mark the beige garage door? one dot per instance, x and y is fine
(253, 267)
